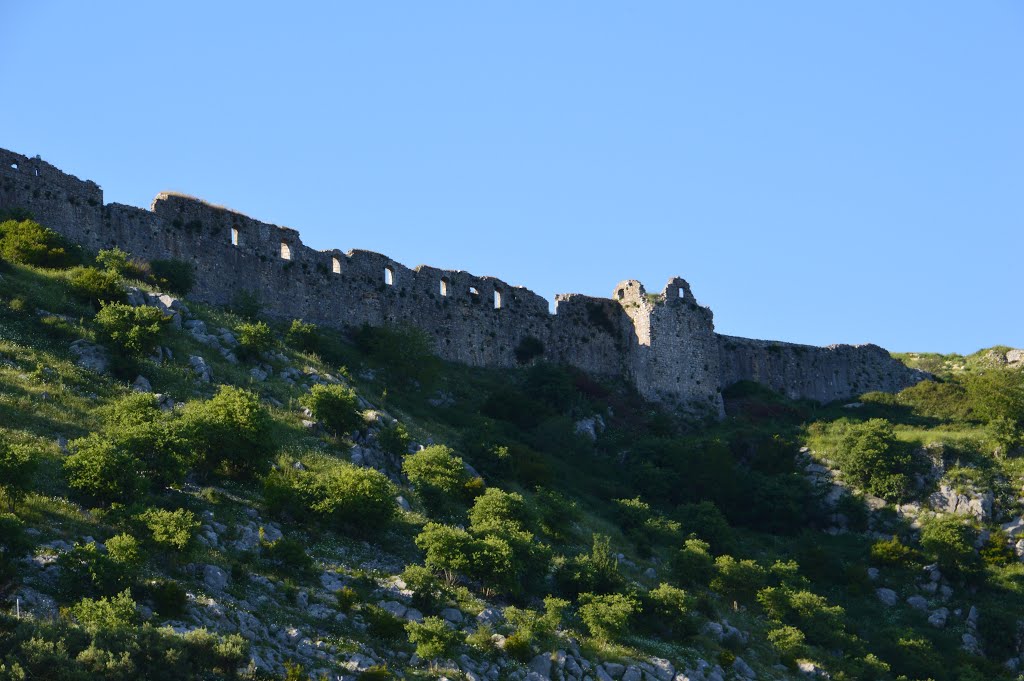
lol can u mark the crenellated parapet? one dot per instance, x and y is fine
(665, 344)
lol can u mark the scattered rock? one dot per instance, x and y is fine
(590, 427)
(214, 578)
(201, 368)
(91, 356)
(887, 596)
(938, 618)
(142, 385)
(917, 602)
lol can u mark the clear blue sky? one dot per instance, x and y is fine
(820, 172)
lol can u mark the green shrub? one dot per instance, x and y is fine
(670, 612)
(346, 597)
(124, 550)
(288, 556)
(872, 458)
(950, 541)
(406, 352)
(528, 348)
(174, 276)
(531, 628)
(246, 304)
(788, 641)
(376, 672)
(894, 553)
(118, 262)
(96, 286)
(694, 565)
(706, 521)
(439, 478)
(28, 242)
(103, 470)
(84, 570)
(382, 624)
(231, 431)
(169, 597)
(172, 529)
(822, 623)
(254, 339)
(428, 592)
(998, 394)
(354, 498)
(996, 551)
(739, 580)
(606, 617)
(597, 571)
(135, 330)
(17, 469)
(394, 440)
(432, 637)
(335, 406)
(303, 336)
(105, 614)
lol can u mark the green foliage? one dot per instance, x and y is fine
(230, 432)
(172, 529)
(117, 261)
(893, 552)
(174, 276)
(432, 637)
(135, 330)
(254, 339)
(84, 570)
(123, 549)
(288, 557)
(645, 526)
(872, 458)
(707, 522)
(669, 611)
(997, 552)
(28, 242)
(169, 597)
(335, 406)
(738, 580)
(822, 623)
(103, 471)
(998, 394)
(246, 304)
(96, 286)
(532, 628)
(394, 439)
(788, 641)
(439, 478)
(694, 565)
(375, 673)
(382, 624)
(949, 540)
(606, 616)
(346, 597)
(405, 352)
(303, 336)
(351, 497)
(17, 468)
(597, 571)
(528, 348)
(117, 612)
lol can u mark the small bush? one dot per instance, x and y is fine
(172, 529)
(17, 468)
(950, 541)
(894, 553)
(788, 641)
(246, 304)
(394, 440)
(528, 348)
(694, 565)
(346, 597)
(96, 286)
(288, 556)
(439, 478)
(117, 261)
(174, 276)
(103, 470)
(335, 406)
(738, 579)
(671, 610)
(28, 242)
(382, 624)
(135, 330)
(169, 597)
(607, 617)
(432, 637)
(303, 336)
(405, 352)
(124, 550)
(105, 614)
(231, 432)
(872, 458)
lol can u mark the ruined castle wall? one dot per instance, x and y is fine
(675, 357)
(810, 372)
(665, 344)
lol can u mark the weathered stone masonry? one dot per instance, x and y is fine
(665, 344)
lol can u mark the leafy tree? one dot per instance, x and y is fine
(17, 468)
(706, 521)
(694, 565)
(349, 496)
(670, 611)
(394, 440)
(871, 457)
(822, 623)
(446, 548)
(173, 529)
(438, 476)
(135, 330)
(28, 242)
(950, 541)
(303, 335)
(231, 430)
(738, 579)
(254, 338)
(788, 641)
(335, 406)
(117, 261)
(534, 628)
(606, 616)
(96, 286)
(105, 614)
(998, 394)
(103, 470)
(124, 550)
(432, 637)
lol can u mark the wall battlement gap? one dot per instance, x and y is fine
(665, 344)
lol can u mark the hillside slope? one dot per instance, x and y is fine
(191, 492)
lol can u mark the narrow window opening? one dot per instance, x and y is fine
(682, 293)
(234, 236)
(497, 299)
(37, 171)
(14, 166)
(473, 291)
(336, 265)
(389, 276)
(286, 251)
(621, 293)
(444, 287)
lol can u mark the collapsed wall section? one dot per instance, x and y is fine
(811, 372)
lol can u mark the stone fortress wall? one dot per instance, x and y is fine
(665, 344)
